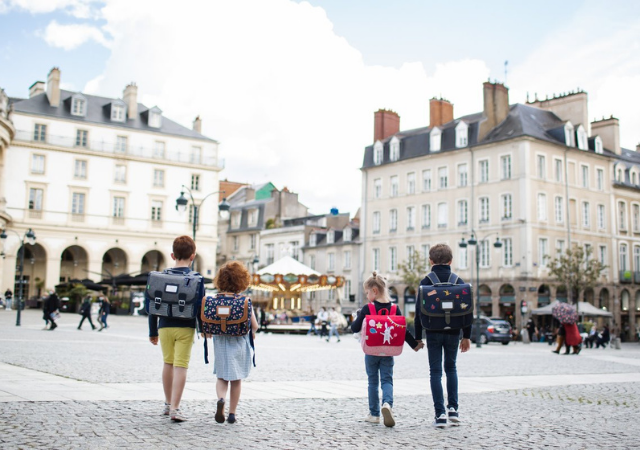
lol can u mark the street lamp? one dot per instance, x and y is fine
(463, 244)
(182, 202)
(30, 237)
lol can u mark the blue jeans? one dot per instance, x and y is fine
(380, 372)
(437, 344)
(333, 331)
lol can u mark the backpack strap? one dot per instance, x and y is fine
(372, 309)
(394, 310)
(453, 278)
(434, 278)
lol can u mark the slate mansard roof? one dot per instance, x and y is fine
(522, 120)
(99, 112)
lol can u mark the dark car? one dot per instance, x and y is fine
(491, 330)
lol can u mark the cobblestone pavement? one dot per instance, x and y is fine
(603, 415)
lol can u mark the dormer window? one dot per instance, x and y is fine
(583, 143)
(346, 235)
(598, 144)
(118, 111)
(435, 139)
(312, 240)
(394, 145)
(155, 117)
(78, 105)
(568, 135)
(331, 237)
(462, 135)
(377, 153)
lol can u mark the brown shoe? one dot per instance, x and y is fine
(220, 411)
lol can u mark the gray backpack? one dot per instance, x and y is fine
(173, 293)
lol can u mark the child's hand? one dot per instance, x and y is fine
(420, 346)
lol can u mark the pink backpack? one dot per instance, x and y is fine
(383, 332)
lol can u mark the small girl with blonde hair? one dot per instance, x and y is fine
(380, 368)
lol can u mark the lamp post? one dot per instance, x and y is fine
(463, 244)
(30, 237)
(182, 202)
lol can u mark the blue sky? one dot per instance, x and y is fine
(281, 82)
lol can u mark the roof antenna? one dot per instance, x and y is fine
(506, 63)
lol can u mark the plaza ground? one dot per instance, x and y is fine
(87, 389)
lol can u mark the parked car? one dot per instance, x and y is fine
(491, 330)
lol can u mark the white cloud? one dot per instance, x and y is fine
(72, 36)
(77, 8)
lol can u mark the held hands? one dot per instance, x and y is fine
(420, 346)
(153, 340)
(465, 345)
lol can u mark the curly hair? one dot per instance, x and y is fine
(233, 276)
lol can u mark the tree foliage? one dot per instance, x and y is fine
(413, 270)
(576, 269)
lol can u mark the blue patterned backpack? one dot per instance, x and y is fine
(226, 315)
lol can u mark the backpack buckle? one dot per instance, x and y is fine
(181, 302)
(158, 300)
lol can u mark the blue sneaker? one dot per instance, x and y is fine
(440, 422)
(454, 417)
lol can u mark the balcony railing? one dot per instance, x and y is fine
(625, 276)
(102, 146)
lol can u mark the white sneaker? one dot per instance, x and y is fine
(372, 419)
(440, 422)
(387, 416)
(454, 417)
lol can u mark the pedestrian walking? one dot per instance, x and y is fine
(232, 354)
(572, 338)
(380, 368)
(444, 342)
(50, 310)
(531, 329)
(334, 321)
(323, 318)
(175, 335)
(103, 313)
(8, 296)
(85, 311)
(312, 319)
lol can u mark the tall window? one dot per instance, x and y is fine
(463, 212)
(270, 255)
(559, 176)
(600, 219)
(559, 209)
(376, 259)
(331, 265)
(347, 259)
(121, 144)
(507, 252)
(393, 220)
(158, 178)
(542, 207)
(462, 258)
(485, 253)
(443, 215)
(346, 234)
(78, 107)
(393, 259)
(484, 209)
(411, 183)
(252, 241)
(40, 133)
(377, 188)
(35, 199)
(635, 218)
(600, 179)
(77, 203)
(411, 218)
(586, 211)
(377, 153)
(295, 250)
(158, 149)
(505, 167)
(543, 251)
(120, 175)
(602, 254)
(195, 182)
(542, 167)
(196, 155)
(80, 169)
(394, 149)
(506, 207)
(394, 186)
(435, 140)
(560, 244)
(622, 216)
(331, 235)
(425, 251)
(236, 243)
(117, 112)
(484, 171)
(426, 180)
(426, 216)
(623, 257)
(410, 251)
(156, 210)
(636, 258)
(376, 222)
(118, 207)
(585, 177)
(81, 138)
(443, 177)
(37, 163)
(463, 175)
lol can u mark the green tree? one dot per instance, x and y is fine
(413, 270)
(576, 270)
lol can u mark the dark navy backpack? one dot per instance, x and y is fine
(445, 305)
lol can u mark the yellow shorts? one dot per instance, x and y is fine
(176, 345)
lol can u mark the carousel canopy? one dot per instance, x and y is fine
(290, 277)
(288, 265)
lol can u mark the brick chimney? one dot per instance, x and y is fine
(496, 107)
(197, 125)
(386, 123)
(609, 132)
(130, 97)
(36, 88)
(440, 112)
(53, 87)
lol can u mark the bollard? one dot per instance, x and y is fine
(616, 344)
(525, 336)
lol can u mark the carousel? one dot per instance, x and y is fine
(284, 282)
